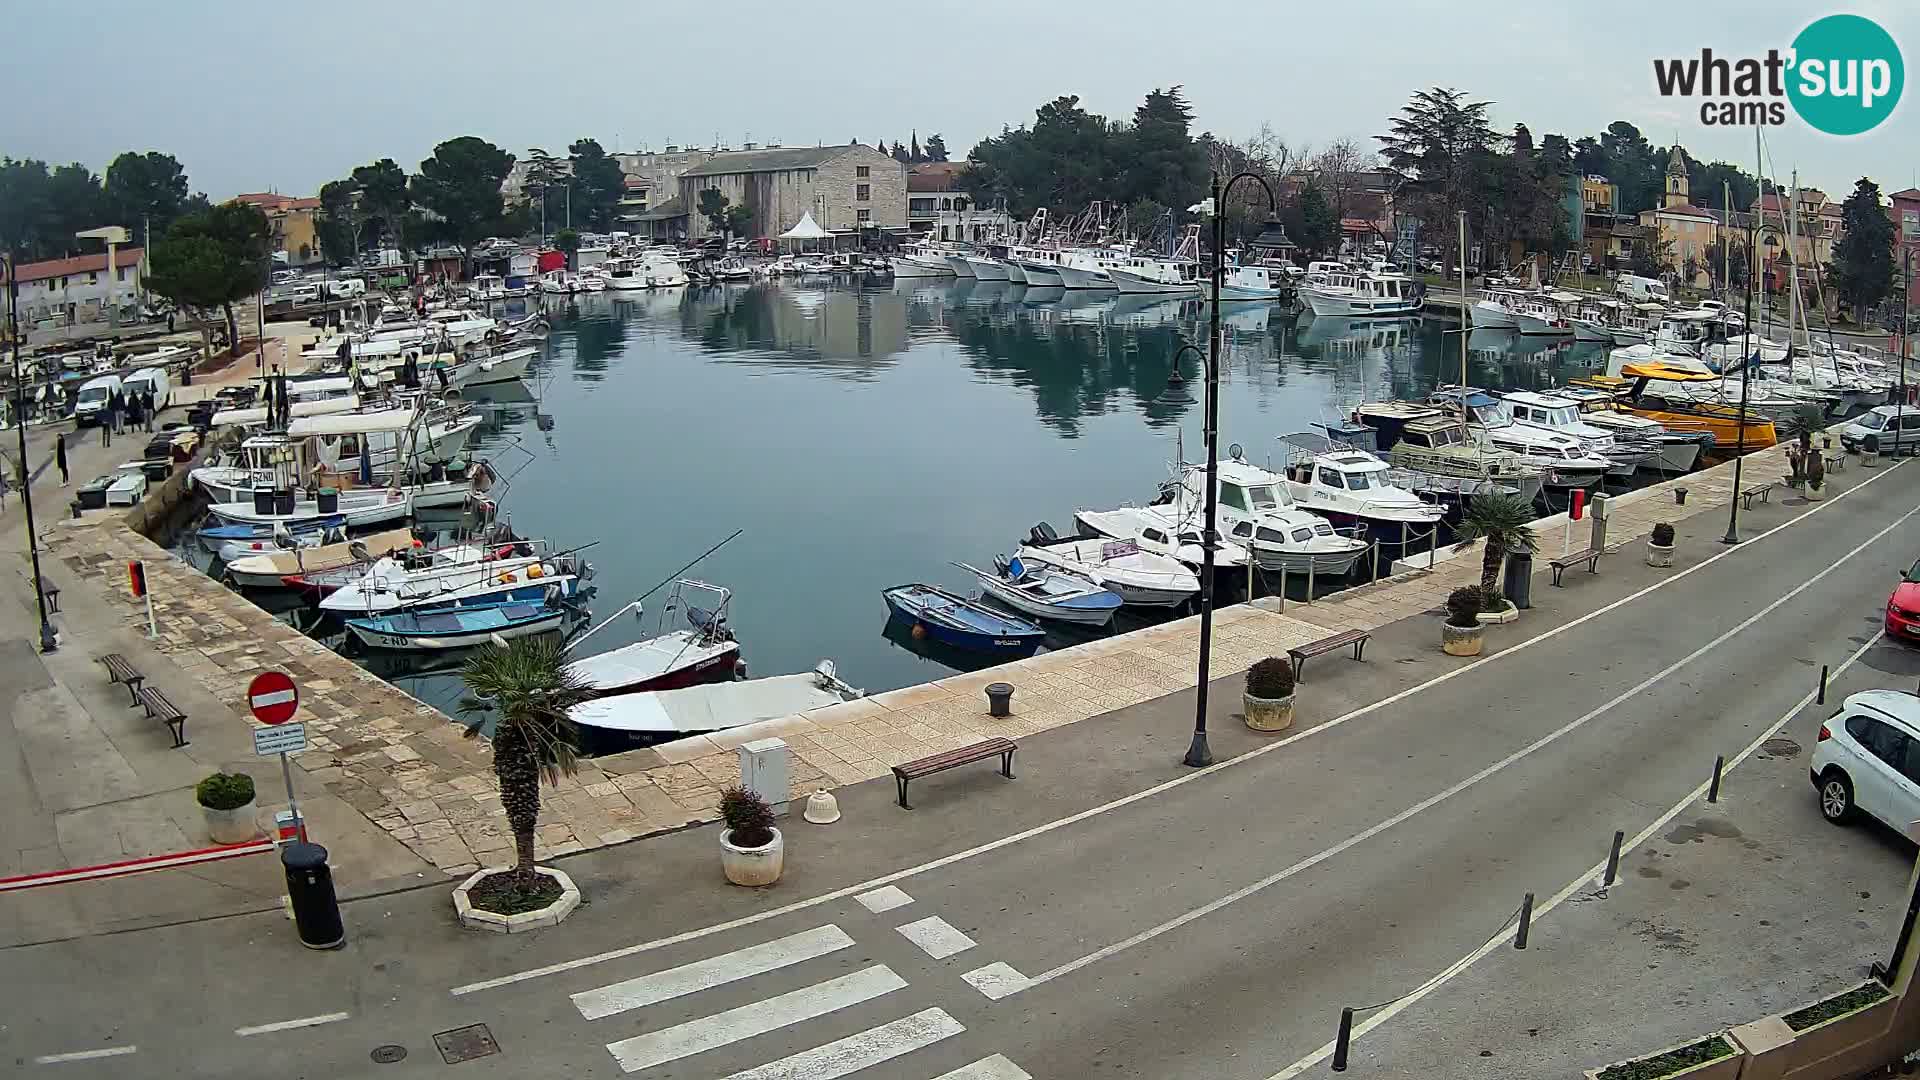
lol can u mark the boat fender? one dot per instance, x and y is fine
(508, 579)
(919, 631)
(535, 572)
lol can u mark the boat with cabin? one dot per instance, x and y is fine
(1140, 578)
(1551, 412)
(1349, 486)
(703, 650)
(1565, 463)
(1342, 291)
(1258, 512)
(1437, 447)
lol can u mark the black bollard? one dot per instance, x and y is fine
(1526, 922)
(1341, 1040)
(1821, 698)
(1613, 859)
(1713, 789)
(316, 911)
(999, 700)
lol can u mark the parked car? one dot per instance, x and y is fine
(1867, 759)
(1903, 607)
(1884, 429)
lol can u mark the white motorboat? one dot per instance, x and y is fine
(1253, 283)
(691, 710)
(468, 572)
(1360, 293)
(363, 508)
(1084, 268)
(487, 288)
(1679, 451)
(925, 259)
(1493, 311)
(1435, 447)
(1685, 331)
(269, 567)
(1347, 485)
(1543, 314)
(1040, 266)
(703, 650)
(1148, 274)
(1159, 529)
(233, 550)
(1258, 512)
(960, 264)
(1637, 324)
(1047, 593)
(1731, 353)
(1565, 462)
(1561, 415)
(624, 275)
(1141, 578)
(988, 268)
(487, 370)
(1595, 321)
(559, 283)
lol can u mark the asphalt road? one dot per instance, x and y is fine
(1180, 925)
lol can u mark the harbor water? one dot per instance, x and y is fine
(864, 436)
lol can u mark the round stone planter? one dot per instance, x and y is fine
(752, 866)
(1659, 554)
(1815, 494)
(1267, 714)
(235, 826)
(1461, 640)
(475, 919)
(1507, 613)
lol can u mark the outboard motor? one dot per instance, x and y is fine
(1041, 535)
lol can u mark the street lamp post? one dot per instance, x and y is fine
(1740, 421)
(48, 643)
(1199, 754)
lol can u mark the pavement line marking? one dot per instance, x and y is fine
(755, 1018)
(1186, 777)
(289, 1025)
(884, 899)
(860, 1050)
(936, 937)
(996, 1067)
(1439, 797)
(713, 971)
(84, 1055)
(996, 980)
(1590, 876)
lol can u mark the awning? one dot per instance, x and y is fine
(352, 423)
(806, 229)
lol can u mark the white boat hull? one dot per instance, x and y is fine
(1677, 457)
(1042, 277)
(1128, 282)
(389, 506)
(1624, 336)
(960, 265)
(417, 643)
(1075, 277)
(1248, 292)
(1019, 602)
(904, 267)
(489, 371)
(1487, 315)
(1351, 306)
(1015, 273)
(1591, 331)
(988, 269)
(1530, 323)
(1333, 563)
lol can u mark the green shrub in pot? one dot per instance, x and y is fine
(224, 791)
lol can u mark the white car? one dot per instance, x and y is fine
(1867, 758)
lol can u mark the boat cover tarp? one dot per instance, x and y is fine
(710, 707)
(352, 423)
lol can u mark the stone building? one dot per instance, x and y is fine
(848, 189)
(293, 223)
(82, 289)
(937, 208)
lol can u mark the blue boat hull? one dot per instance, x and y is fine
(455, 628)
(1009, 637)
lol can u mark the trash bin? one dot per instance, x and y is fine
(262, 500)
(329, 501)
(1518, 583)
(316, 911)
(1000, 699)
(283, 502)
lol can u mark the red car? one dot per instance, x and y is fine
(1903, 607)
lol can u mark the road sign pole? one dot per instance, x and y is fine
(293, 804)
(153, 630)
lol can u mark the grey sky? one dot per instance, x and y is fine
(288, 95)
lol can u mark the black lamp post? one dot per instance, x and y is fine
(48, 642)
(1199, 754)
(1740, 421)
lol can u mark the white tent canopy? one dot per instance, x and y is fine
(807, 229)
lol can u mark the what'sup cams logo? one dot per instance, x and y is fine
(1843, 75)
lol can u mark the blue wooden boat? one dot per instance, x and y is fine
(213, 536)
(962, 623)
(456, 628)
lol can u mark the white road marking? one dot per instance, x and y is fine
(996, 1067)
(884, 899)
(1187, 777)
(858, 1051)
(713, 971)
(1592, 876)
(757, 1018)
(289, 1025)
(1431, 801)
(84, 1055)
(936, 937)
(996, 981)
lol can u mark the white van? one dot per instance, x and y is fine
(1643, 289)
(306, 292)
(346, 288)
(152, 380)
(91, 406)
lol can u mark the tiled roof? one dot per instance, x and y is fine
(79, 264)
(754, 161)
(675, 207)
(1911, 194)
(1684, 210)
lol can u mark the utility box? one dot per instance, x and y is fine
(1602, 509)
(1517, 585)
(763, 771)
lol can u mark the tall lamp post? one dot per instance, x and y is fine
(1746, 372)
(1199, 754)
(48, 643)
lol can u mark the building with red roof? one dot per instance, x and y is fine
(79, 289)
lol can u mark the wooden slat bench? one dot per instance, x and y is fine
(1590, 556)
(1762, 492)
(119, 671)
(159, 708)
(1356, 638)
(941, 762)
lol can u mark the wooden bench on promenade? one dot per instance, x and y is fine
(1590, 556)
(950, 759)
(1761, 492)
(119, 671)
(159, 708)
(1299, 654)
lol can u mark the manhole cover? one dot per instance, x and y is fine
(387, 1055)
(465, 1044)
(1780, 747)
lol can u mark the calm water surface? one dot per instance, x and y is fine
(864, 437)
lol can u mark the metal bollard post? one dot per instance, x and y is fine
(1310, 579)
(1341, 1041)
(1821, 697)
(1283, 588)
(1376, 561)
(1526, 922)
(1613, 859)
(1713, 789)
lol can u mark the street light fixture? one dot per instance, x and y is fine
(1199, 754)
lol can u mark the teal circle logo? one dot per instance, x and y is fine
(1846, 76)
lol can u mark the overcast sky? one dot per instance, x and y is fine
(285, 96)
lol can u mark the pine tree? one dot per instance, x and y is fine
(1863, 260)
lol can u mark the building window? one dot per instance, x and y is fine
(865, 216)
(123, 273)
(862, 171)
(862, 192)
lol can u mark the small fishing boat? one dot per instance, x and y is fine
(612, 723)
(1047, 593)
(457, 628)
(702, 652)
(952, 619)
(1141, 578)
(215, 537)
(372, 506)
(1160, 530)
(467, 573)
(310, 538)
(272, 568)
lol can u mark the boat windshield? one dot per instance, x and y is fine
(1498, 414)
(1265, 496)
(1566, 415)
(1358, 481)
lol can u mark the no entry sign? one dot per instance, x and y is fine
(272, 697)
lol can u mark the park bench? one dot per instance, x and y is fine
(159, 708)
(1356, 638)
(941, 762)
(1762, 492)
(119, 671)
(1590, 556)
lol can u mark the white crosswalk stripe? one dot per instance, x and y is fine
(855, 1052)
(936, 937)
(996, 1067)
(714, 971)
(756, 1018)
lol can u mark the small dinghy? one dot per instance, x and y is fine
(215, 536)
(1047, 593)
(954, 620)
(457, 628)
(234, 550)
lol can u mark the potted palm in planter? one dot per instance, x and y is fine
(1462, 634)
(1502, 522)
(1660, 545)
(226, 800)
(526, 687)
(1268, 701)
(752, 851)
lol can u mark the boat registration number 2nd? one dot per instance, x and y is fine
(1011, 644)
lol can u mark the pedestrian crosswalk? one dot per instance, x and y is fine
(904, 1033)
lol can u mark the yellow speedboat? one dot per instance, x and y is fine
(1723, 422)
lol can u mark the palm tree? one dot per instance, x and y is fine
(1500, 520)
(526, 685)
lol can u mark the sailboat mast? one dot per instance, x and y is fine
(1465, 315)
